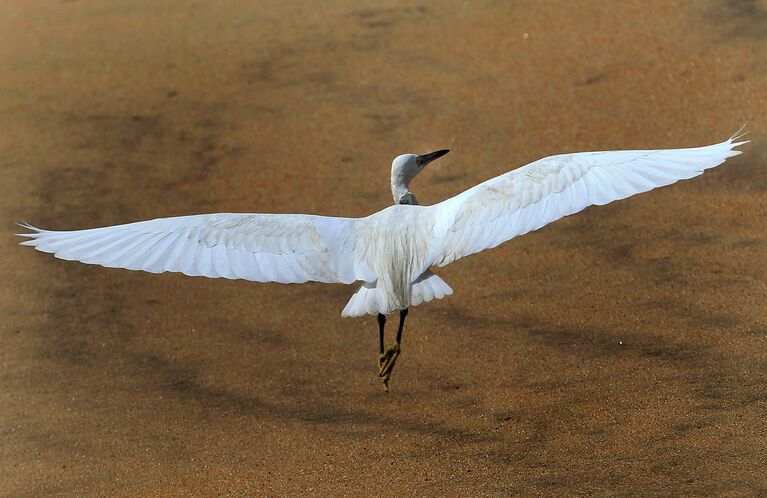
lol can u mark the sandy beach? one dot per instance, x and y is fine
(621, 351)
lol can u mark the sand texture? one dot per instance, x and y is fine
(622, 351)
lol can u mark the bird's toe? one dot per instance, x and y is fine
(386, 364)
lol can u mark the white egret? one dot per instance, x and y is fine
(390, 251)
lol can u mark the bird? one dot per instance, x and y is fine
(392, 251)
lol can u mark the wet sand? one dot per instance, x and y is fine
(621, 351)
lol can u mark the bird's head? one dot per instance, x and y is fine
(404, 168)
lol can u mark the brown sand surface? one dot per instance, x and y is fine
(620, 351)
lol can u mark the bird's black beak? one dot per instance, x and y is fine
(425, 159)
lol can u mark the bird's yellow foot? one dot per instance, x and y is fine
(386, 364)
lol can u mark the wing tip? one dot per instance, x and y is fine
(33, 234)
(742, 132)
(28, 226)
(734, 141)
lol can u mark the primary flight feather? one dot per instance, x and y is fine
(392, 250)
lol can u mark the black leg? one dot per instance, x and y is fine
(389, 357)
(402, 316)
(381, 323)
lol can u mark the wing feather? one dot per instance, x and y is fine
(259, 247)
(546, 190)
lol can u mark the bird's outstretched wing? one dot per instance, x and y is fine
(285, 248)
(546, 190)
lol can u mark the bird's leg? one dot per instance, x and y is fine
(389, 357)
(381, 324)
(402, 316)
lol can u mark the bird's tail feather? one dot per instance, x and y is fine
(367, 301)
(428, 287)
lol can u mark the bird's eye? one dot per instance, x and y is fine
(418, 161)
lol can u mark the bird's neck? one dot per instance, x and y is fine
(401, 191)
(398, 189)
